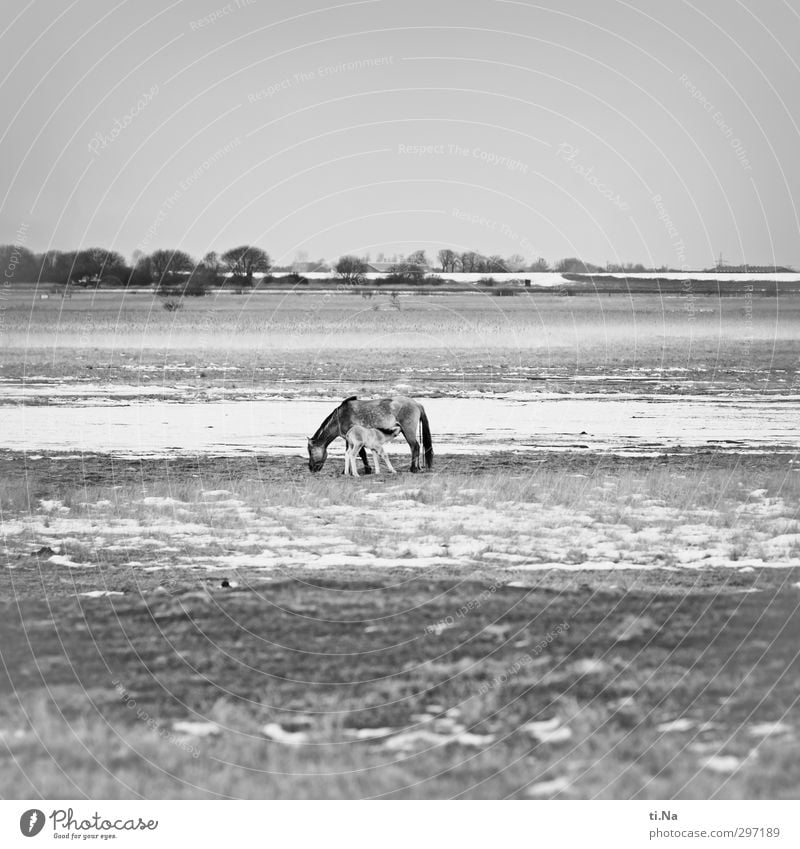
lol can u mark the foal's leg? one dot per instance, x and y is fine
(375, 454)
(351, 453)
(386, 460)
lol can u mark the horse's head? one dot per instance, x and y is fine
(317, 455)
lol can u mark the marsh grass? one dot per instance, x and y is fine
(637, 500)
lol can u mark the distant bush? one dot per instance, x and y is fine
(352, 269)
(404, 273)
(573, 265)
(172, 305)
(198, 282)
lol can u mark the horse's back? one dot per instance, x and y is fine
(380, 413)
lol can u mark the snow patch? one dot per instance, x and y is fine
(63, 560)
(196, 729)
(275, 732)
(682, 724)
(161, 501)
(53, 505)
(548, 788)
(100, 593)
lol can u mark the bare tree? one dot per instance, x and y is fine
(470, 262)
(19, 263)
(516, 262)
(245, 261)
(165, 266)
(93, 264)
(448, 260)
(351, 269)
(211, 266)
(573, 265)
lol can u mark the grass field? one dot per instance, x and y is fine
(552, 624)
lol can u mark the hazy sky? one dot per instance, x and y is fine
(658, 132)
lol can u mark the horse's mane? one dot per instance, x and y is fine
(327, 421)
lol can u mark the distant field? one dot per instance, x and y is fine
(465, 340)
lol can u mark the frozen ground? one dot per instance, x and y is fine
(537, 624)
(498, 516)
(515, 421)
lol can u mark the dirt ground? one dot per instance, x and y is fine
(471, 679)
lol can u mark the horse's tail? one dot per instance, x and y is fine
(427, 442)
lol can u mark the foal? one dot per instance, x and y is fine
(372, 438)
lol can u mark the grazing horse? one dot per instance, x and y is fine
(386, 413)
(373, 438)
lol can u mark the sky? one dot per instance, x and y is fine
(661, 133)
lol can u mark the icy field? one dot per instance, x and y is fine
(620, 423)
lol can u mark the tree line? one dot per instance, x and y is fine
(176, 271)
(416, 265)
(161, 269)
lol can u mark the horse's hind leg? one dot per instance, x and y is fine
(376, 455)
(410, 433)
